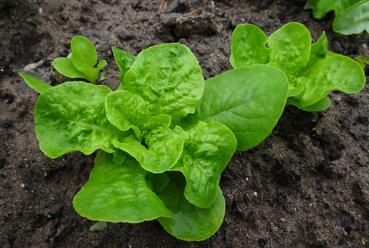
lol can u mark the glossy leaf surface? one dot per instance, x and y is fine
(249, 101)
(206, 154)
(163, 147)
(71, 117)
(169, 77)
(37, 84)
(118, 193)
(189, 222)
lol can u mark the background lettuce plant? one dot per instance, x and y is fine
(351, 16)
(163, 138)
(312, 70)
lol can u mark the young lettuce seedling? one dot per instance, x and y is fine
(82, 62)
(163, 138)
(312, 70)
(352, 16)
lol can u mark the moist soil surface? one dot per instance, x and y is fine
(307, 185)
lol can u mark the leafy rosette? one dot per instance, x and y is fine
(163, 138)
(312, 70)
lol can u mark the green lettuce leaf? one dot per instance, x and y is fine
(124, 61)
(118, 193)
(290, 48)
(65, 67)
(322, 7)
(167, 76)
(161, 151)
(353, 20)
(335, 72)
(247, 101)
(37, 84)
(126, 110)
(71, 117)
(248, 46)
(189, 222)
(319, 50)
(206, 154)
(84, 53)
(322, 105)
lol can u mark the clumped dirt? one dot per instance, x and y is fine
(307, 185)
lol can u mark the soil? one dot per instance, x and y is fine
(307, 185)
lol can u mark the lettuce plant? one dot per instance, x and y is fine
(163, 138)
(352, 16)
(81, 63)
(312, 70)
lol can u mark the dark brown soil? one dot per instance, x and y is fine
(306, 186)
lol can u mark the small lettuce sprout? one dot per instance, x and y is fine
(163, 138)
(312, 70)
(81, 62)
(352, 16)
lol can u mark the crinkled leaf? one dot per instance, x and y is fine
(335, 72)
(206, 154)
(249, 101)
(65, 67)
(316, 107)
(84, 54)
(71, 117)
(290, 48)
(353, 20)
(163, 148)
(248, 46)
(124, 61)
(319, 50)
(118, 193)
(169, 77)
(322, 7)
(189, 222)
(37, 84)
(126, 110)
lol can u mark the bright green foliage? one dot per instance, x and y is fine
(312, 71)
(169, 77)
(35, 83)
(335, 72)
(127, 111)
(248, 46)
(118, 193)
(165, 136)
(352, 16)
(189, 222)
(247, 101)
(124, 61)
(82, 62)
(290, 48)
(207, 152)
(71, 117)
(161, 150)
(319, 49)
